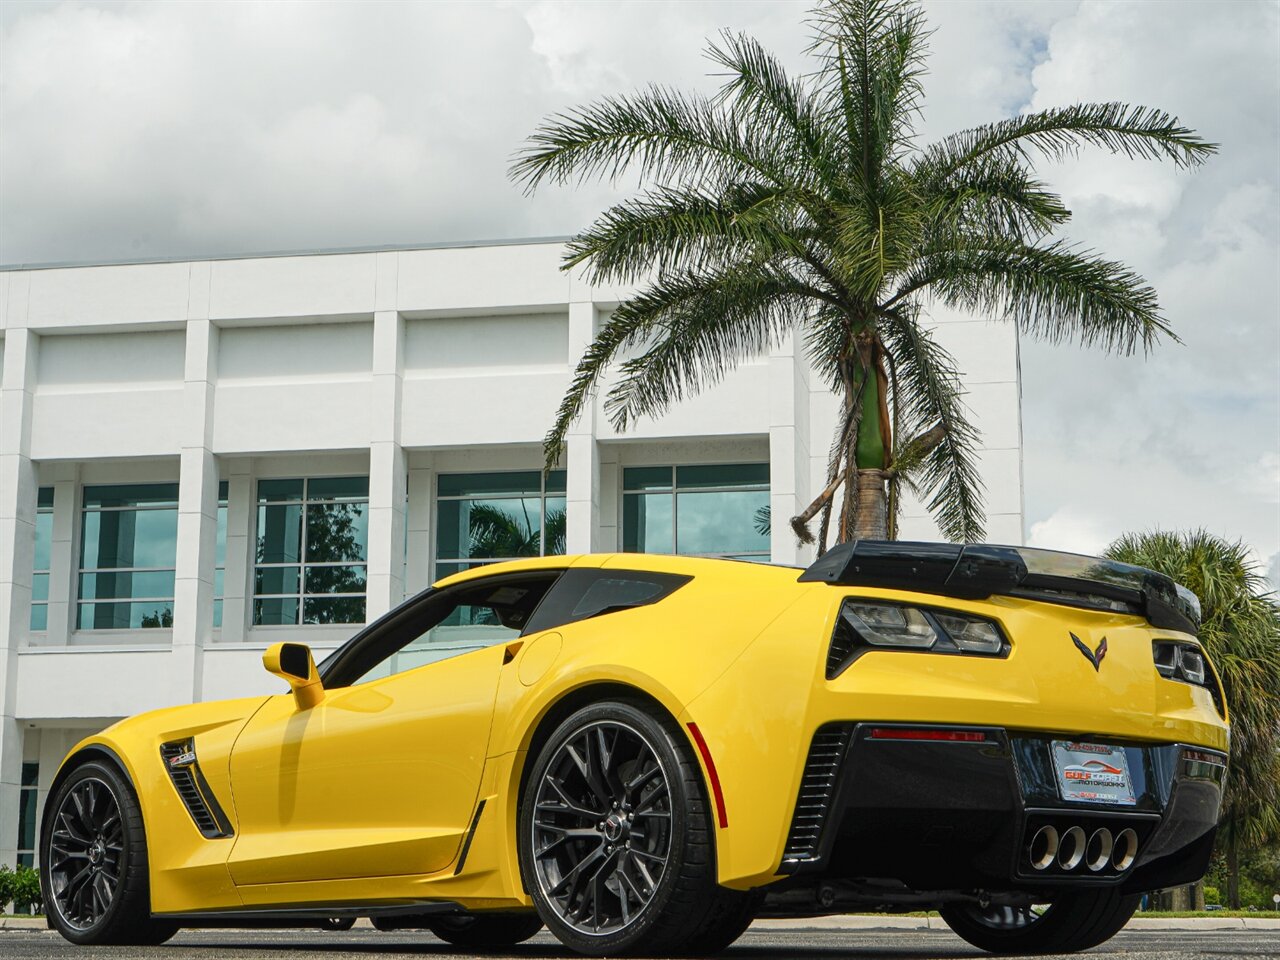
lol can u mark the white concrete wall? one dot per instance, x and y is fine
(395, 364)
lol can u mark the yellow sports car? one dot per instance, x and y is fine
(644, 753)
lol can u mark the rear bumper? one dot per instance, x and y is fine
(953, 815)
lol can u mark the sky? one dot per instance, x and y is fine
(154, 130)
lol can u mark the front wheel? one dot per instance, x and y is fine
(616, 840)
(94, 850)
(486, 931)
(1075, 920)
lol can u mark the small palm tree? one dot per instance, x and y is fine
(1241, 631)
(804, 204)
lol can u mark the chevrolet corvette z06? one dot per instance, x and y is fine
(644, 753)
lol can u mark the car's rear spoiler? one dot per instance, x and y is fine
(978, 570)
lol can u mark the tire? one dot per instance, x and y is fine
(617, 785)
(338, 924)
(93, 844)
(1075, 920)
(486, 931)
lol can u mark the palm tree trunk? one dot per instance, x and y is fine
(866, 509)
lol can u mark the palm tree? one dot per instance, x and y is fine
(804, 204)
(1241, 630)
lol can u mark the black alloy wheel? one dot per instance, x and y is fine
(602, 827)
(86, 853)
(1074, 920)
(616, 840)
(95, 881)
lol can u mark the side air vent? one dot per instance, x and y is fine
(840, 653)
(817, 790)
(179, 758)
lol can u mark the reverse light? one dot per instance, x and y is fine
(1186, 663)
(886, 626)
(972, 634)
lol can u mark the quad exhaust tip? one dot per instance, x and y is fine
(1126, 850)
(1073, 847)
(1044, 848)
(1097, 853)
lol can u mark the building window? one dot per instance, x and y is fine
(27, 814)
(710, 511)
(128, 550)
(312, 551)
(220, 554)
(40, 564)
(487, 517)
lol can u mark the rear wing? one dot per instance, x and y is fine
(978, 570)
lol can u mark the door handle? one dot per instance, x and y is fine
(510, 652)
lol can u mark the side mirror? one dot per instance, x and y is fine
(293, 663)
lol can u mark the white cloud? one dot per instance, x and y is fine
(1071, 530)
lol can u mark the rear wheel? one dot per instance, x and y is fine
(486, 931)
(616, 840)
(1075, 920)
(94, 848)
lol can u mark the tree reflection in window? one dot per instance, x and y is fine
(484, 518)
(312, 551)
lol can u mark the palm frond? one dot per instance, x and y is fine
(1056, 292)
(672, 229)
(668, 136)
(947, 475)
(996, 196)
(872, 54)
(704, 327)
(1136, 132)
(759, 91)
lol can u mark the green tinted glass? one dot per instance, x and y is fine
(333, 610)
(30, 774)
(556, 481)
(39, 616)
(556, 527)
(508, 483)
(280, 533)
(217, 613)
(44, 541)
(335, 579)
(129, 538)
(44, 498)
(39, 587)
(647, 523)
(124, 616)
(337, 532)
(270, 580)
(26, 819)
(338, 488)
(722, 522)
(488, 528)
(646, 478)
(131, 495)
(723, 475)
(272, 611)
(127, 585)
(270, 491)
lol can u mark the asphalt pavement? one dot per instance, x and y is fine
(792, 943)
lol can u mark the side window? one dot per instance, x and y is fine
(443, 624)
(581, 594)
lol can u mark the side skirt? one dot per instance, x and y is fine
(302, 916)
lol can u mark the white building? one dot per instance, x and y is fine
(198, 459)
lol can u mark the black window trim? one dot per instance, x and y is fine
(558, 605)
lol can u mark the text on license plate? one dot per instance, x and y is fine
(1093, 773)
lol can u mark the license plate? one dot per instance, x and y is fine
(1093, 773)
